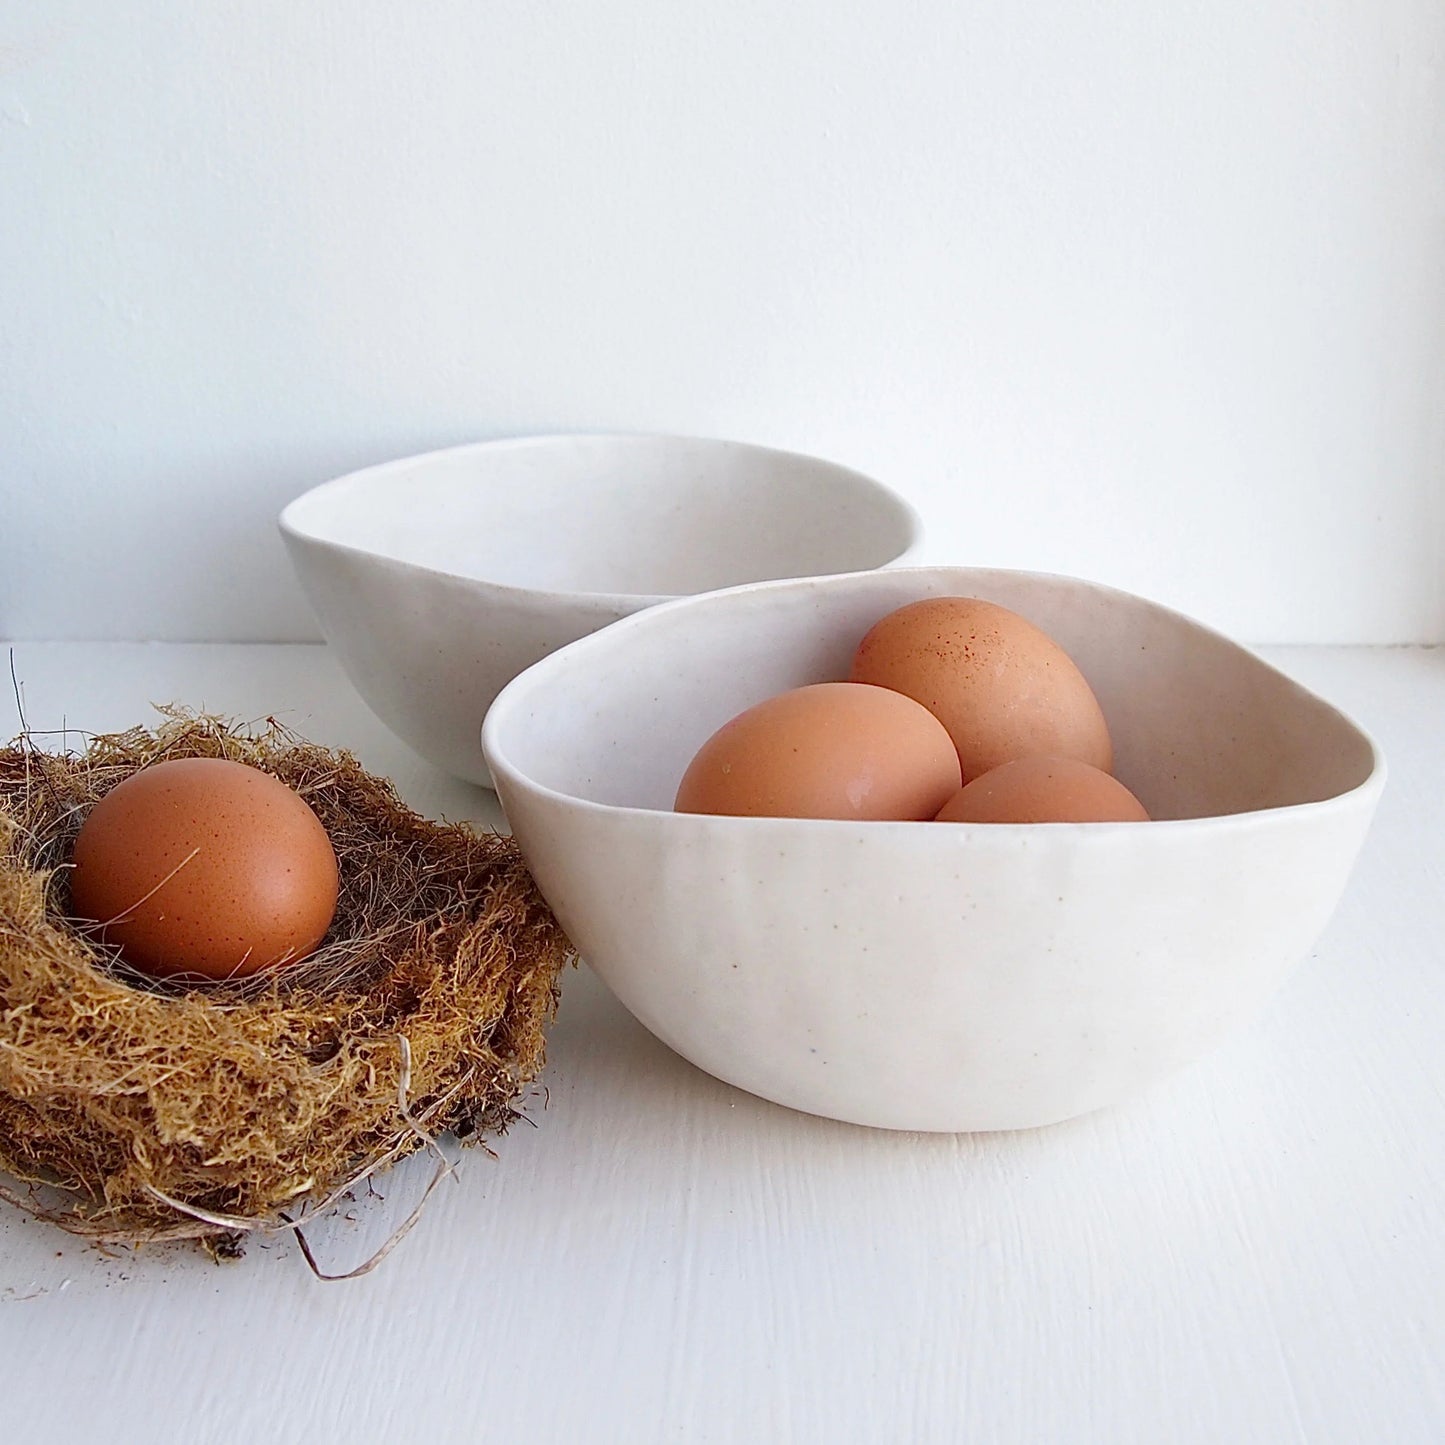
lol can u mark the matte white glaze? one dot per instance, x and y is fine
(438, 578)
(932, 976)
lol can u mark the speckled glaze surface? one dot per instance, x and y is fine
(928, 976)
(438, 578)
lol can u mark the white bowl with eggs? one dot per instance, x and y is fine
(438, 578)
(916, 975)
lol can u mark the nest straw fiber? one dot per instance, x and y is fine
(141, 1111)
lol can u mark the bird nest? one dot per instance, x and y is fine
(136, 1110)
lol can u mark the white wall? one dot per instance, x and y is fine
(1152, 292)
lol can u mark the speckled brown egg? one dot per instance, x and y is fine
(1001, 687)
(205, 866)
(1044, 790)
(832, 750)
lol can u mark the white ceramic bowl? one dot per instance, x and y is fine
(438, 578)
(924, 975)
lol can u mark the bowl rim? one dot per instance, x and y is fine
(295, 532)
(1367, 791)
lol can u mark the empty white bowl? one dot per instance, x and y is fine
(924, 975)
(438, 578)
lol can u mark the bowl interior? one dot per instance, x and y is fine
(1201, 726)
(636, 516)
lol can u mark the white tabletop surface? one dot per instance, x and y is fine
(1251, 1253)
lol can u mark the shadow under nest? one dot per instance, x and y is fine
(157, 1111)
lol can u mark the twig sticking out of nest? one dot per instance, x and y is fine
(168, 1112)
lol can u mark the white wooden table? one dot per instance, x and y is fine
(1252, 1253)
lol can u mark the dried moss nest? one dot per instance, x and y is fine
(141, 1111)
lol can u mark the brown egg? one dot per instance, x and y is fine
(833, 750)
(1044, 790)
(1001, 687)
(204, 866)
